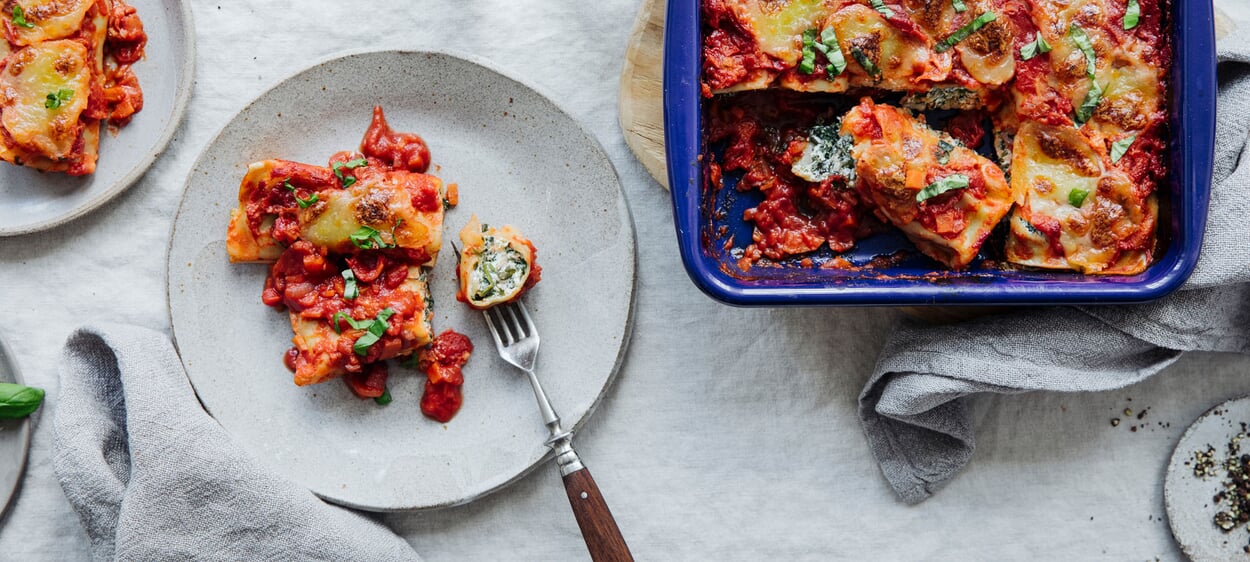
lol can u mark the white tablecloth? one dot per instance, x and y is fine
(730, 433)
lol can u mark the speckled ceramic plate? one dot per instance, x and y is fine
(14, 438)
(518, 159)
(31, 201)
(1189, 499)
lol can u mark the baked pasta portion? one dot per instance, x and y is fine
(65, 70)
(350, 245)
(945, 197)
(496, 265)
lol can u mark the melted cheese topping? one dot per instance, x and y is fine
(1051, 163)
(51, 19)
(382, 201)
(778, 26)
(32, 75)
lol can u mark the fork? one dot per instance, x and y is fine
(517, 339)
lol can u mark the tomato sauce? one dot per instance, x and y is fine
(442, 361)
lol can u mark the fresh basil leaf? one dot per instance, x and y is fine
(303, 203)
(1120, 148)
(375, 331)
(948, 183)
(865, 62)
(1077, 197)
(19, 18)
(385, 398)
(19, 401)
(338, 167)
(369, 238)
(959, 6)
(944, 152)
(55, 99)
(1132, 15)
(832, 51)
(1082, 40)
(350, 290)
(963, 32)
(409, 362)
(1035, 48)
(808, 64)
(1092, 99)
(879, 5)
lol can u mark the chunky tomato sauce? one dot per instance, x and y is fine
(764, 134)
(442, 362)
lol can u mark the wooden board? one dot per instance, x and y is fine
(641, 107)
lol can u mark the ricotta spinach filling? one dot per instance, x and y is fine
(828, 154)
(500, 270)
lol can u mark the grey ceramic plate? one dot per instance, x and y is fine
(1189, 499)
(518, 159)
(14, 437)
(31, 201)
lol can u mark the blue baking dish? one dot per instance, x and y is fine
(701, 231)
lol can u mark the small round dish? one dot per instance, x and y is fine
(518, 159)
(1189, 498)
(31, 201)
(14, 438)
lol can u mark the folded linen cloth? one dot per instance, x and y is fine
(914, 407)
(153, 477)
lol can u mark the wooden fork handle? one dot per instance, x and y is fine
(603, 538)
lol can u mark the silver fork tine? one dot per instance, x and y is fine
(529, 322)
(509, 337)
(515, 325)
(490, 322)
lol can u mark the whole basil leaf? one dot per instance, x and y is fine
(18, 401)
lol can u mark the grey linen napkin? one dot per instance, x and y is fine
(153, 477)
(914, 408)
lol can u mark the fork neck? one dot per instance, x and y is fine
(560, 440)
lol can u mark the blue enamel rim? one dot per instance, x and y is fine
(1191, 152)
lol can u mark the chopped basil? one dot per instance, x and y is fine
(57, 98)
(944, 152)
(409, 362)
(1082, 40)
(354, 323)
(348, 181)
(863, 60)
(1092, 99)
(1077, 197)
(948, 183)
(1132, 14)
(828, 45)
(808, 64)
(385, 398)
(963, 32)
(959, 6)
(880, 6)
(1038, 46)
(18, 401)
(369, 238)
(1120, 148)
(350, 290)
(303, 203)
(19, 18)
(373, 333)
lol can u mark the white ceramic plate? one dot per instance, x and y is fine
(518, 159)
(1188, 499)
(14, 438)
(31, 201)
